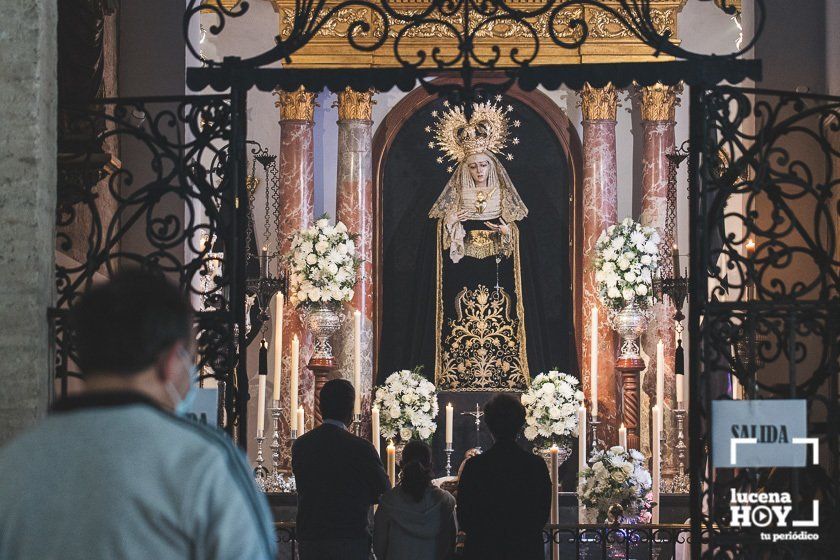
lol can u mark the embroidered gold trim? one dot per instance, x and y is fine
(518, 382)
(482, 243)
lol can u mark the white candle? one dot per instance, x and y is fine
(656, 419)
(293, 383)
(261, 406)
(622, 436)
(392, 463)
(301, 421)
(593, 363)
(278, 345)
(449, 411)
(581, 438)
(680, 391)
(357, 360)
(555, 487)
(660, 375)
(374, 427)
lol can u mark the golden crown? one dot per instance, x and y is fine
(459, 138)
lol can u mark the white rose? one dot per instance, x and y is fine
(599, 276)
(608, 267)
(554, 413)
(630, 277)
(650, 247)
(623, 263)
(405, 434)
(619, 476)
(340, 227)
(321, 247)
(617, 243)
(627, 468)
(311, 259)
(394, 412)
(613, 292)
(628, 294)
(531, 433)
(646, 260)
(322, 223)
(642, 289)
(636, 455)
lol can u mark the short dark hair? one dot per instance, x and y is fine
(504, 415)
(123, 325)
(337, 399)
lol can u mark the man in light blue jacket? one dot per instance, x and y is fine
(115, 472)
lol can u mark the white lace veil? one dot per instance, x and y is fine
(512, 207)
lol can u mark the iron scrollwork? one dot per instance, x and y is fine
(765, 313)
(156, 209)
(369, 26)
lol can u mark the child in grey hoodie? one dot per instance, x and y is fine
(415, 520)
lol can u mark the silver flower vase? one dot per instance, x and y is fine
(630, 323)
(323, 320)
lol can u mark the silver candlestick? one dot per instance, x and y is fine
(260, 471)
(293, 436)
(680, 484)
(594, 423)
(448, 452)
(357, 425)
(275, 436)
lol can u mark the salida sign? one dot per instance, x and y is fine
(759, 433)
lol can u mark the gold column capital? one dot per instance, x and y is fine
(599, 103)
(354, 105)
(659, 101)
(298, 105)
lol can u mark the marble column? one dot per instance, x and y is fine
(600, 210)
(297, 201)
(354, 207)
(658, 104)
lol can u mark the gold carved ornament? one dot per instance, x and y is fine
(298, 105)
(599, 103)
(354, 105)
(482, 350)
(659, 101)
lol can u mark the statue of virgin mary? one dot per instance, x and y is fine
(480, 317)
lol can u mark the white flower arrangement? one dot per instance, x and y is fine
(322, 264)
(551, 405)
(626, 261)
(617, 476)
(408, 407)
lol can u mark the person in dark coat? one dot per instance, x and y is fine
(504, 494)
(339, 476)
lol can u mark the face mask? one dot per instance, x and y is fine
(182, 405)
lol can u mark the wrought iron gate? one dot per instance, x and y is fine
(149, 183)
(765, 297)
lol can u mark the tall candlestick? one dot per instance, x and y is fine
(301, 421)
(262, 375)
(392, 463)
(581, 438)
(593, 362)
(278, 345)
(622, 436)
(449, 411)
(656, 419)
(374, 427)
(555, 486)
(660, 374)
(357, 360)
(293, 384)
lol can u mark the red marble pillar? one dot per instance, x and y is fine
(658, 104)
(354, 207)
(297, 196)
(600, 210)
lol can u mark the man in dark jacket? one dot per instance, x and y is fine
(339, 476)
(504, 494)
